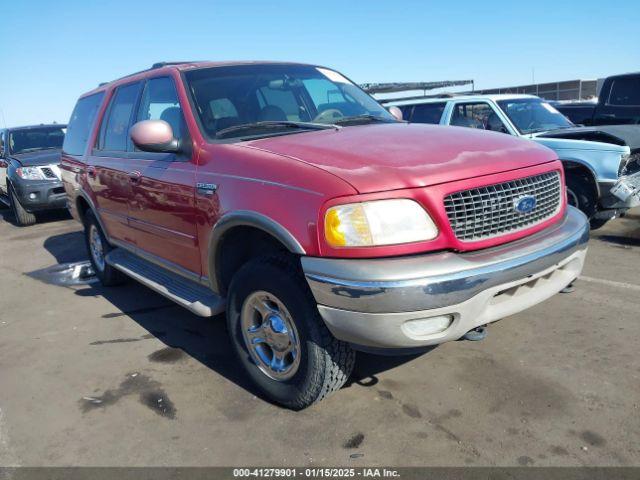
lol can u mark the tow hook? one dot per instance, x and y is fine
(477, 334)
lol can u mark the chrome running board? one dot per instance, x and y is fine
(192, 296)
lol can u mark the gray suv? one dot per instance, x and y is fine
(29, 170)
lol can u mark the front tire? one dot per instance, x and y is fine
(23, 218)
(580, 194)
(98, 247)
(279, 336)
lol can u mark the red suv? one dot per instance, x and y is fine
(322, 223)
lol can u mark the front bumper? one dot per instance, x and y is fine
(369, 302)
(38, 195)
(621, 195)
(627, 190)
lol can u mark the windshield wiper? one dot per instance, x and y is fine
(269, 124)
(367, 117)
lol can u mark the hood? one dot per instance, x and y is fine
(562, 143)
(41, 157)
(378, 157)
(622, 135)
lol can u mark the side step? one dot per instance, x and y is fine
(191, 295)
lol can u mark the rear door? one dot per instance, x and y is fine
(162, 205)
(108, 167)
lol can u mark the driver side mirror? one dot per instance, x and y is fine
(396, 112)
(154, 136)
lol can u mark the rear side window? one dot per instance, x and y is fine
(406, 112)
(427, 113)
(625, 92)
(81, 124)
(160, 102)
(115, 129)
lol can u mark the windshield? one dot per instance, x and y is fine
(33, 139)
(532, 115)
(269, 99)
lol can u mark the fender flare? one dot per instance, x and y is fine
(586, 165)
(82, 194)
(246, 218)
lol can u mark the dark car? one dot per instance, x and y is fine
(618, 103)
(29, 170)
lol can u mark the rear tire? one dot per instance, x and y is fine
(23, 218)
(98, 247)
(270, 294)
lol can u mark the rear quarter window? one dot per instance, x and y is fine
(81, 124)
(427, 113)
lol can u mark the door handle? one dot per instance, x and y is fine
(135, 176)
(91, 171)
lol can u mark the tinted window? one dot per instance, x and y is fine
(427, 113)
(115, 131)
(34, 139)
(406, 111)
(160, 102)
(625, 91)
(81, 123)
(2, 143)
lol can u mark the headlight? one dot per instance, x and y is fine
(29, 173)
(379, 222)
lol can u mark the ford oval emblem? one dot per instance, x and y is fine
(524, 204)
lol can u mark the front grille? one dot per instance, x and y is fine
(47, 172)
(486, 212)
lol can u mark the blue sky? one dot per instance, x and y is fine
(54, 51)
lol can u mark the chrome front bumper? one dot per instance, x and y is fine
(369, 302)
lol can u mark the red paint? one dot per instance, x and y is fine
(293, 179)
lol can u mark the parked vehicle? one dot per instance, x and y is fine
(29, 170)
(286, 193)
(593, 161)
(618, 103)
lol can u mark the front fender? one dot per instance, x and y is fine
(602, 159)
(247, 218)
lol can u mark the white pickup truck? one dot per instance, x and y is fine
(602, 170)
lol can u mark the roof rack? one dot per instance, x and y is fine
(153, 67)
(394, 87)
(167, 64)
(384, 101)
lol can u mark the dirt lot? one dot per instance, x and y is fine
(120, 376)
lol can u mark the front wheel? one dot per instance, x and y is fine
(580, 194)
(279, 336)
(23, 218)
